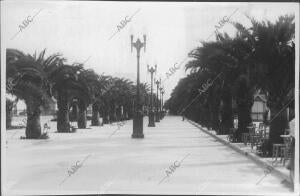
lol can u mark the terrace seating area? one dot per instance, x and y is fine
(257, 137)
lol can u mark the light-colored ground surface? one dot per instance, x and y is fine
(120, 164)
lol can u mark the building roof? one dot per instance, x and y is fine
(261, 97)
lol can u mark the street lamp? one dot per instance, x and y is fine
(138, 115)
(151, 113)
(157, 104)
(162, 102)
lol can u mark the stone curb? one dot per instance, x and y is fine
(251, 156)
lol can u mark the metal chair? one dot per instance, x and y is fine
(245, 138)
(232, 135)
(286, 151)
(254, 138)
(261, 147)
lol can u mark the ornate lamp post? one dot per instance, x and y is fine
(162, 102)
(151, 113)
(138, 116)
(158, 102)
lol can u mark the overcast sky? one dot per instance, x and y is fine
(81, 31)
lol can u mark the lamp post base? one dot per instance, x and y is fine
(137, 135)
(138, 126)
(151, 120)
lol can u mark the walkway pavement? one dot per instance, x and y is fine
(276, 165)
(116, 163)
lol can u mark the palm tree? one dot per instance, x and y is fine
(185, 97)
(232, 58)
(64, 82)
(129, 99)
(126, 96)
(144, 93)
(83, 91)
(31, 85)
(105, 99)
(87, 88)
(100, 85)
(211, 60)
(119, 97)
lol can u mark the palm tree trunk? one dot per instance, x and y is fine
(201, 115)
(214, 108)
(33, 127)
(244, 99)
(277, 126)
(205, 116)
(197, 114)
(122, 113)
(95, 115)
(116, 113)
(215, 123)
(244, 119)
(63, 123)
(115, 117)
(227, 113)
(105, 116)
(8, 115)
(81, 123)
(112, 114)
(129, 112)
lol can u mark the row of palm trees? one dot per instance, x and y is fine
(258, 58)
(37, 79)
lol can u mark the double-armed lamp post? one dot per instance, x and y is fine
(151, 113)
(158, 101)
(138, 114)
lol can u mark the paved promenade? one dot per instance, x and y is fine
(116, 163)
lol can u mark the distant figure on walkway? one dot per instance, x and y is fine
(182, 117)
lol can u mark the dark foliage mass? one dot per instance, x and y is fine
(37, 79)
(259, 58)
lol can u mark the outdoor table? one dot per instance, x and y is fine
(286, 138)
